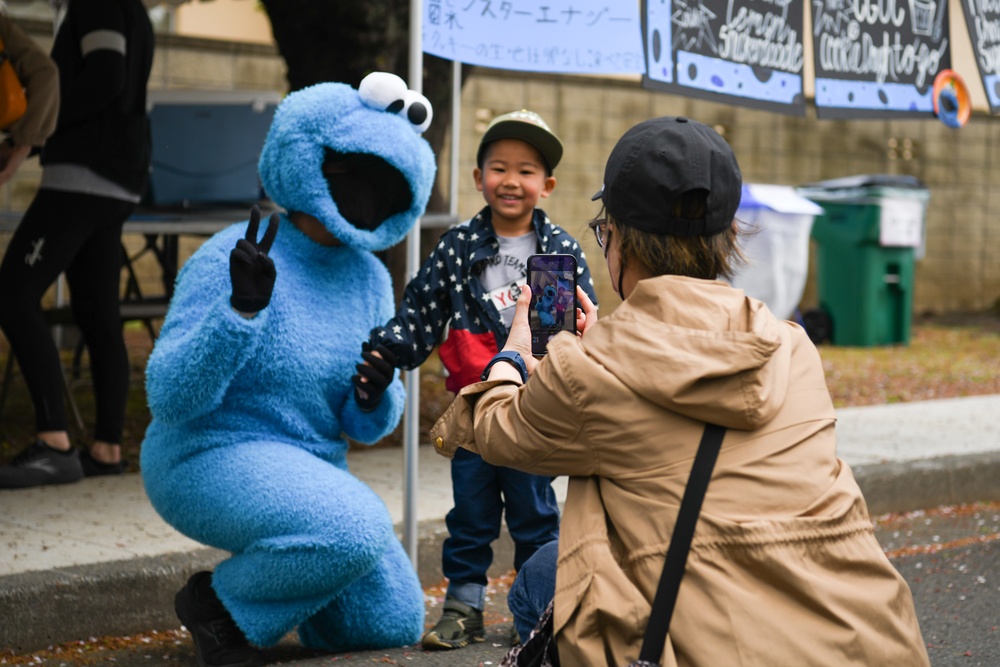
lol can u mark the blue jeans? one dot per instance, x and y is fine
(483, 495)
(533, 589)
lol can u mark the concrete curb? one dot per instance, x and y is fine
(945, 480)
(118, 598)
(43, 608)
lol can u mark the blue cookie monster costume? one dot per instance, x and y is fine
(545, 306)
(246, 450)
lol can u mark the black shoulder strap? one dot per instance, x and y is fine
(680, 544)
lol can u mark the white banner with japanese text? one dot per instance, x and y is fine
(555, 36)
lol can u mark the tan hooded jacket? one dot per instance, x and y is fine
(40, 78)
(784, 568)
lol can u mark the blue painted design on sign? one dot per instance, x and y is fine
(992, 85)
(982, 17)
(714, 74)
(745, 52)
(873, 96)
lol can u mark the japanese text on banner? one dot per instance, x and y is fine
(570, 37)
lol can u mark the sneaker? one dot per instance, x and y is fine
(40, 464)
(94, 468)
(460, 624)
(218, 641)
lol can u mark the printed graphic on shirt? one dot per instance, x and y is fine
(504, 298)
(506, 272)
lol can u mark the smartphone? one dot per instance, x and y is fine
(552, 279)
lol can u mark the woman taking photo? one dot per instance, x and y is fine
(784, 568)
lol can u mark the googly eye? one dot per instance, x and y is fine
(387, 92)
(383, 91)
(417, 111)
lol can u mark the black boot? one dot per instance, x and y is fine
(218, 641)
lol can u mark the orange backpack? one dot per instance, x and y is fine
(13, 103)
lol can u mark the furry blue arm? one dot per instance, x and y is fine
(370, 427)
(203, 342)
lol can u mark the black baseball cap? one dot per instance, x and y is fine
(659, 160)
(527, 126)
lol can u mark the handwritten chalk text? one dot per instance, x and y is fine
(888, 60)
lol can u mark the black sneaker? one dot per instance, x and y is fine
(218, 641)
(460, 624)
(40, 464)
(94, 468)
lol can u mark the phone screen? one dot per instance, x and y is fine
(552, 279)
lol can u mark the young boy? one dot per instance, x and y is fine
(467, 290)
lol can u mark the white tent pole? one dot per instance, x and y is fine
(456, 127)
(411, 420)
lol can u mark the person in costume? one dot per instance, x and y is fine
(250, 389)
(545, 306)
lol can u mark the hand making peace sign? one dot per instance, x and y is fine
(250, 269)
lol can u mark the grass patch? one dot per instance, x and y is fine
(947, 357)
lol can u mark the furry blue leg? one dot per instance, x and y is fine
(301, 530)
(382, 609)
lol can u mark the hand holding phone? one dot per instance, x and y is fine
(586, 316)
(552, 279)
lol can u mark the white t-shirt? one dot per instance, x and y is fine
(507, 271)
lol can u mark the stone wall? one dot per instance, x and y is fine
(961, 268)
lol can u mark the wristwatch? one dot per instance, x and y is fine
(512, 358)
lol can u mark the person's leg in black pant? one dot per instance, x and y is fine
(94, 278)
(51, 239)
(38, 252)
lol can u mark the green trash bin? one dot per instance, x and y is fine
(868, 237)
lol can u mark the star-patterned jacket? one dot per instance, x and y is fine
(446, 295)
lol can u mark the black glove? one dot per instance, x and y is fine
(250, 269)
(377, 372)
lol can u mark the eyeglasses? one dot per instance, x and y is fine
(600, 227)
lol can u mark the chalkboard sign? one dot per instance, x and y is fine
(878, 58)
(568, 37)
(983, 19)
(742, 52)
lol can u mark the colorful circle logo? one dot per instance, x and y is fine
(951, 99)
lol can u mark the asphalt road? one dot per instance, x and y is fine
(949, 556)
(951, 559)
